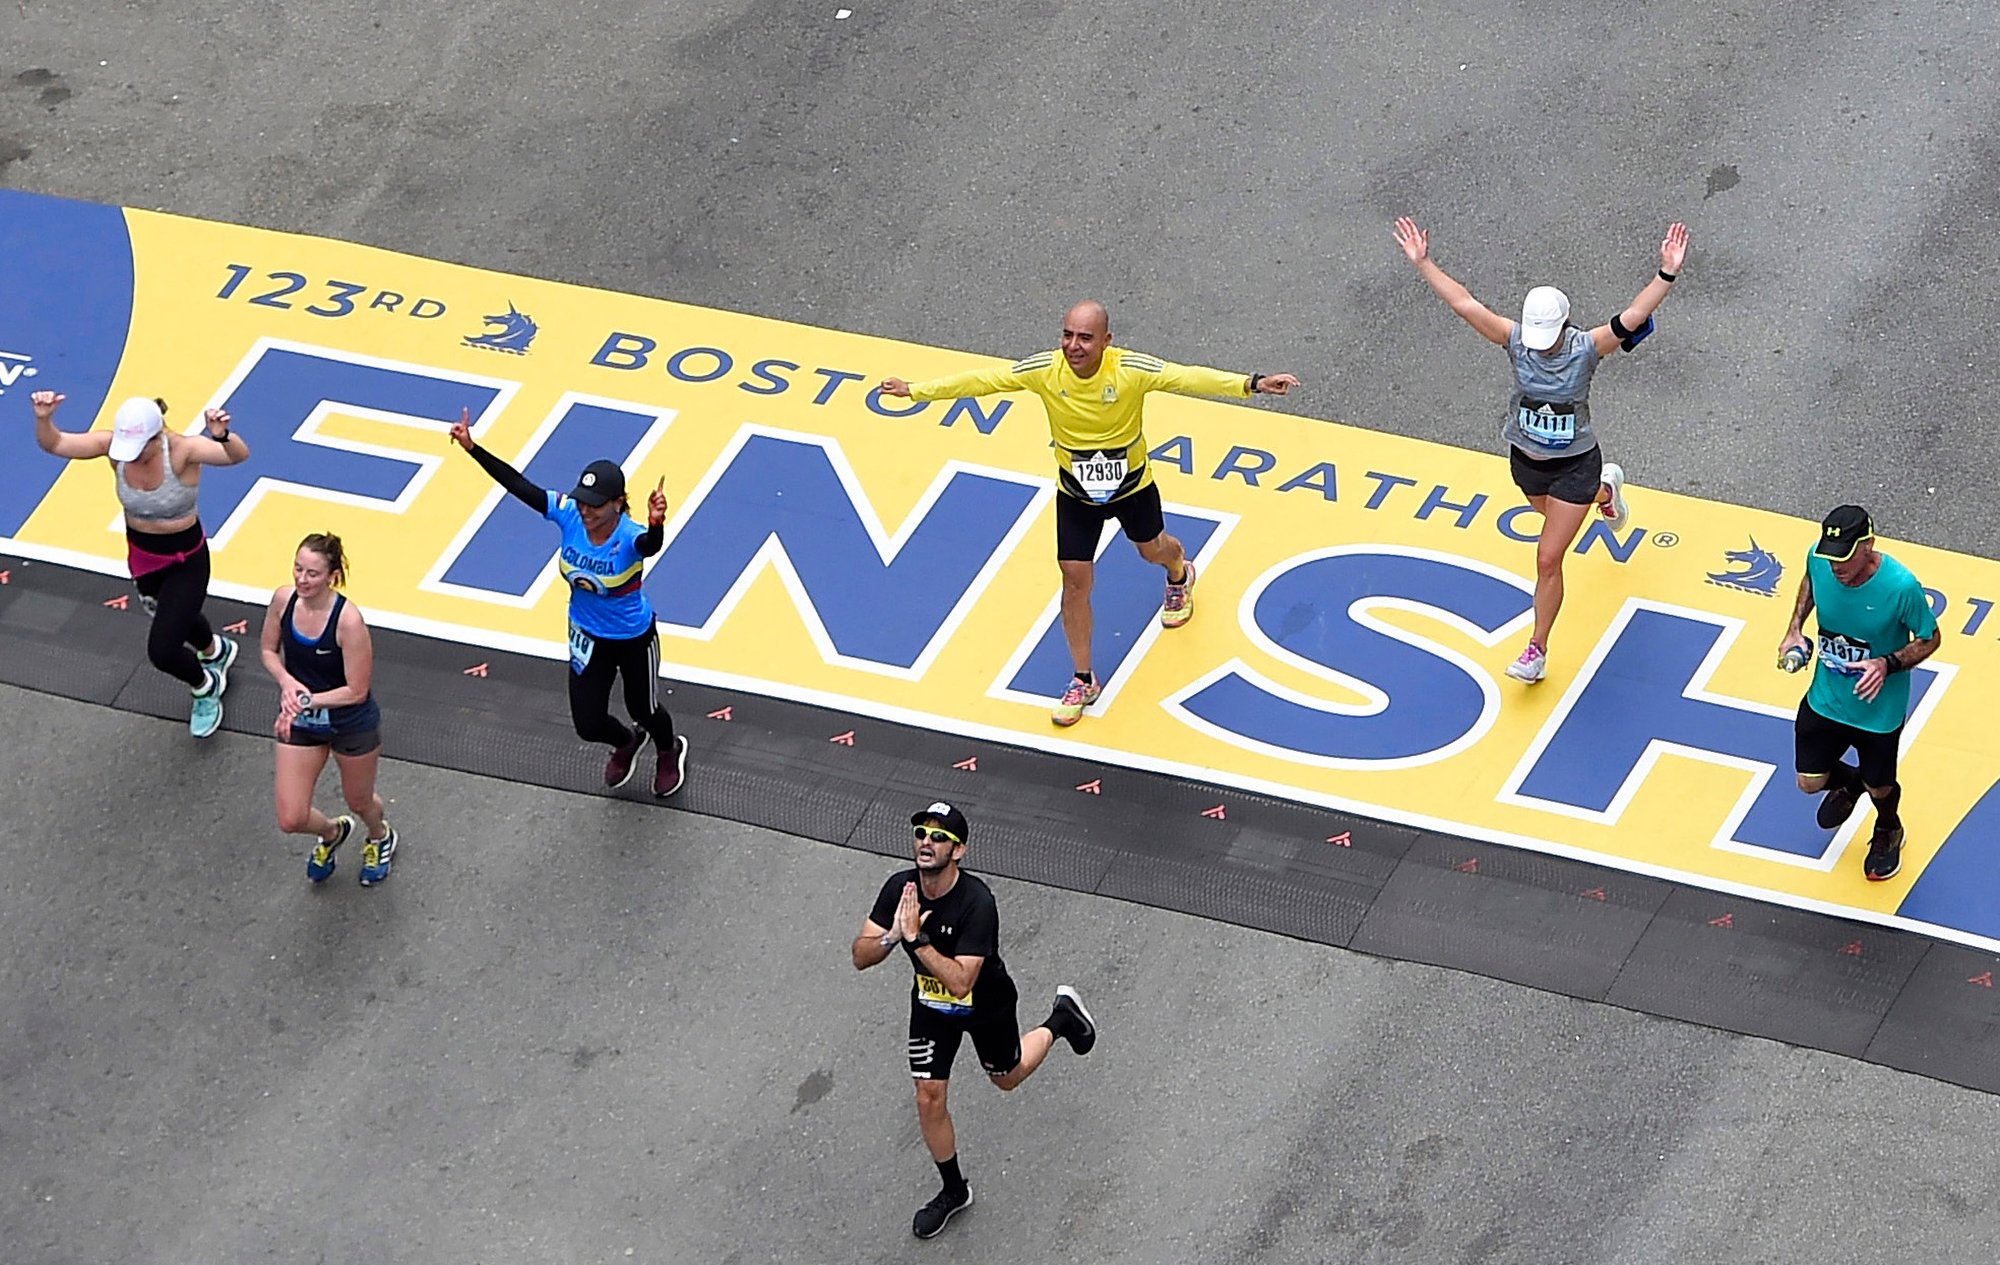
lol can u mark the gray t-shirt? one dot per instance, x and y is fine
(1548, 409)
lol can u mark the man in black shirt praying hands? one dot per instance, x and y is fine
(948, 924)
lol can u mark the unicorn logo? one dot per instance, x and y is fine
(1760, 571)
(510, 331)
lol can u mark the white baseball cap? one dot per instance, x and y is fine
(1543, 314)
(137, 421)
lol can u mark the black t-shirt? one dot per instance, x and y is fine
(964, 922)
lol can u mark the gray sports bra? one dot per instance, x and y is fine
(171, 500)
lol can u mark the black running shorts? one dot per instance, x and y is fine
(1574, 480)
(1080, 523)
(934, 1036)
(1821, 743)
(343, 744)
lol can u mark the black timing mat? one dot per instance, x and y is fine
(1870, 992)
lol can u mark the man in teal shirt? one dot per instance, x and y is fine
(1875, 624)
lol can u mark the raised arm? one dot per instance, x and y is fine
(503, 474)
(1629, 326)
(217, 445)
(62, 443)
(1416, 244)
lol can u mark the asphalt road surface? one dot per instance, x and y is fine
(570, 1029)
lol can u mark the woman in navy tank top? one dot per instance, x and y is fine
(316, 647)
(1552, 447)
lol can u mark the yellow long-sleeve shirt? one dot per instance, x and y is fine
(1098, 422)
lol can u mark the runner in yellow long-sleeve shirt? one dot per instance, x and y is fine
(1095, 397)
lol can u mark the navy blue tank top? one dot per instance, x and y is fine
(319, 666)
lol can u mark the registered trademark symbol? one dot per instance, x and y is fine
(1665, 540)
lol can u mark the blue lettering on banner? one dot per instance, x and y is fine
(512, 543)
(624, 351)
(1385, 484)
(64, 312)
(878, 405)
(773, 384)
(1125, 596)
(1321, 478)
(1177, 452)
(1260, 462)
(274, 402)
(1646, 690)
(1425, 701)
(879, 602)
(985, 423)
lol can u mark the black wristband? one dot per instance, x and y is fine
(923, 938)
(1668, 277)
(1895, 665)
(223, 438)
(1255, 378)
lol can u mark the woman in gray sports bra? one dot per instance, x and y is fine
(157, 473)
(1551, 445)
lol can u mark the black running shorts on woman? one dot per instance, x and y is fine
(1572, 480)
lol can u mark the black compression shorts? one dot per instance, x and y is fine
(934, 1037)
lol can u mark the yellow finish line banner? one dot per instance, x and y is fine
(1360, 595)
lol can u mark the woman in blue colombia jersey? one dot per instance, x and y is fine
(611, 631)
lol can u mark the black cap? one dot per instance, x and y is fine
(947, 817)
(601, 483)
(1842, 531)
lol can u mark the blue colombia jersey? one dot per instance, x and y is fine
(606, 597)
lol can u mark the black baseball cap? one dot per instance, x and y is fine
(600, 483)
(947, 817)
(1842, 532)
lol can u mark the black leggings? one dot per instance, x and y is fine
(638, 658)
(174, 595)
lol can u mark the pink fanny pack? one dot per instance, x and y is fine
(145, 562)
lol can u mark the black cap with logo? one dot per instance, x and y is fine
(601, 483)
(1842, 532)
(947, 818)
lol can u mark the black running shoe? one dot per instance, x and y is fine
(931, 1217)
(618, 769)
(1080, 1030)
(1835, 807)
(1885, 855)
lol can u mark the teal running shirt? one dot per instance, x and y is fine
(1875, 618)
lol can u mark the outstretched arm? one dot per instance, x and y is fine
(1416, 244)
(503, 474)
(1673, 253)
(62, 443)
(971, 383)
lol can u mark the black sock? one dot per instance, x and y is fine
(1182, 580)
(1845, 777)
(1058, 1024)
(1086, 678)
(948, 1170)
(1886, 816)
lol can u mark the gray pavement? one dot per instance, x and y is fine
(570, 1028)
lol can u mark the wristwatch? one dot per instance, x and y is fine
(223, 438)
(923, 938)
